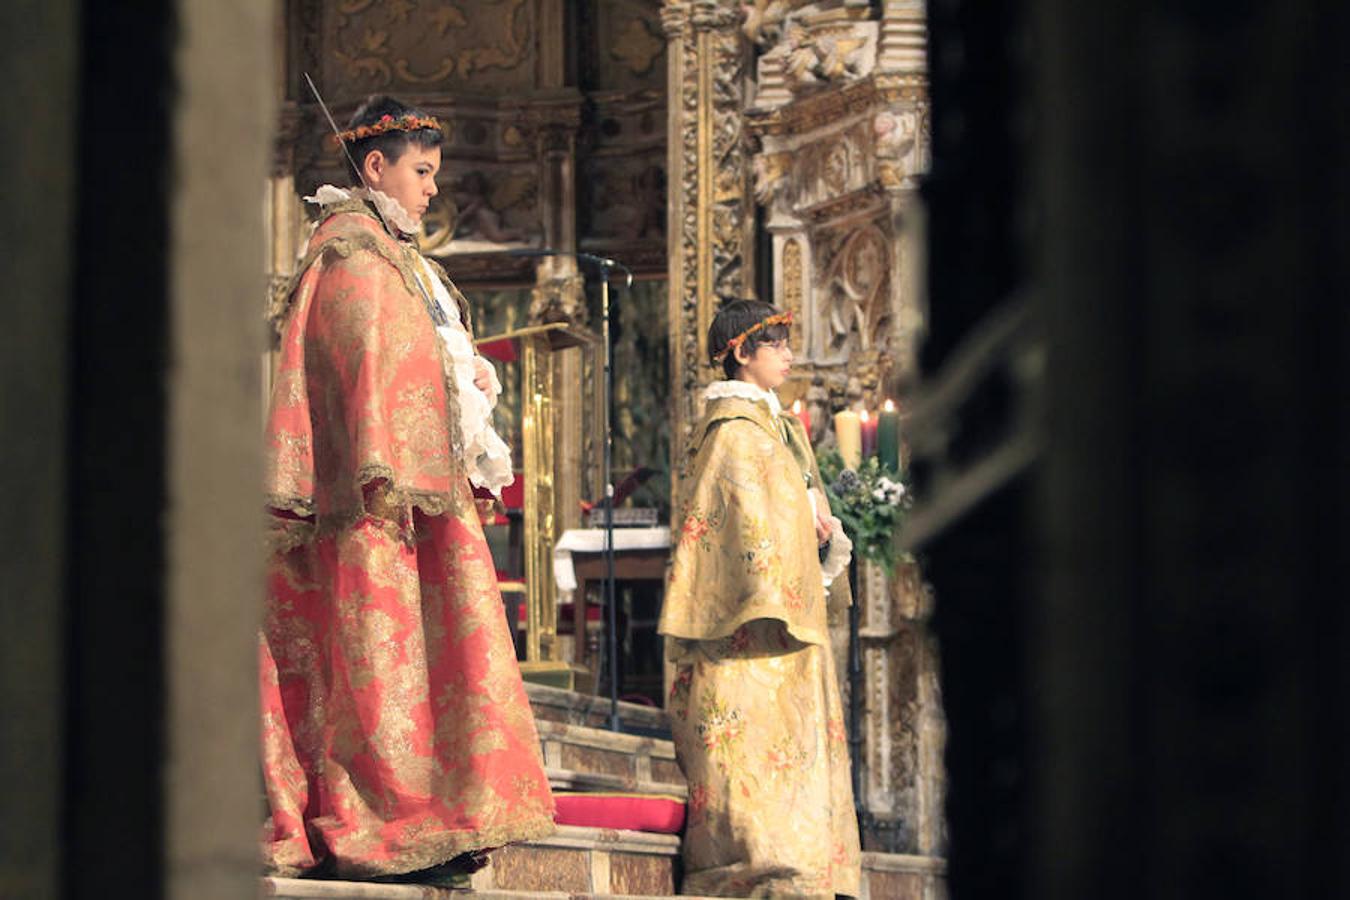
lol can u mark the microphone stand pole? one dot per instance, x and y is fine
(607, 469)
(607, 476)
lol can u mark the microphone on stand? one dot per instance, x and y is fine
(604, 262)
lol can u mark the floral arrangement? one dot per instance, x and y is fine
(871, 502)
(386, 123)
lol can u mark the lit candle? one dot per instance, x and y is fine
(888, 437)
(803, 415)
(848, 436)
(868, 428)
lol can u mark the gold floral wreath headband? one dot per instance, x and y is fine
(775, 319)
(387, 123)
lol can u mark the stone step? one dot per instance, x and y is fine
(901, 876)
(558, 867)
(577, 860)
(579, 758)
(582, 754)
(573, 708)
(573, 862)
(306, 889)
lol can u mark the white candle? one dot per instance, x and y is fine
(848, 436)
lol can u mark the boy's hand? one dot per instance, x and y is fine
(482, 375)
(823, 529)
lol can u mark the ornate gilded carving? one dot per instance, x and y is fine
(710, 209)
(636, 47)
(474, 214)
(771, 172)
(366, 60)
(824, 108)
(764, 19)
(901, 137)
(411, 44)
(813, 57)
(628, 201)
(809, 47)
(482, 207)
(858, 281)
(559, 300)
(793, 289)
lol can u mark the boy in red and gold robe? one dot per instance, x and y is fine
(397, 735)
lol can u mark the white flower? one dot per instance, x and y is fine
(889, 491)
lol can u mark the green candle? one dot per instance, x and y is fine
(888, 437)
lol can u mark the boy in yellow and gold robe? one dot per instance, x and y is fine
(755, 708)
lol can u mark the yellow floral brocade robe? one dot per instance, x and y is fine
(755, 708)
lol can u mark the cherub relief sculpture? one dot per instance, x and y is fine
(764, 20)
(805, 44)
(477, 218)
(471, 215)
(813, 57)
(628, 201)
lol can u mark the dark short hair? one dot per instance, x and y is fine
(393, 144)
(735, 317)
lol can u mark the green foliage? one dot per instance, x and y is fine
(871, 502)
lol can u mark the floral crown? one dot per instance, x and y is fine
(387, 123)
(775, 319)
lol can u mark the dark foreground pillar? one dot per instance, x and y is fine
(134, 267)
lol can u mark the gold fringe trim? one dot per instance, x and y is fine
(391, 506)
(435, 851)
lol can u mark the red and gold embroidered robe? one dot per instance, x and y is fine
(396, 730)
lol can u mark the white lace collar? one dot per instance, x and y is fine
(392, 211)
(743, 390)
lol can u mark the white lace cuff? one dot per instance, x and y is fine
(840, 552)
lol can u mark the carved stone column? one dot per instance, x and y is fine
(559, 296)
(286, 230)
(711, 212)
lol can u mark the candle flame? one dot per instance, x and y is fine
(863, 415)
(890, 406)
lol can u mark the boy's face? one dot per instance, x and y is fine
(411, 181)
(768, 367)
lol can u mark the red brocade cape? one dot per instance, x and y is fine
(396, 731)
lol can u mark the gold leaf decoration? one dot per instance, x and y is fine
(636, 46)
(447, 16)
(399, 10)
(404, 70)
